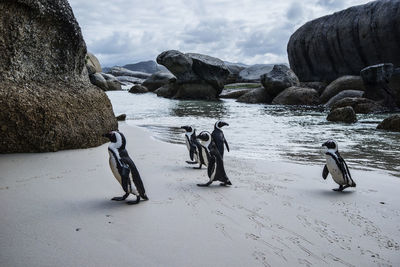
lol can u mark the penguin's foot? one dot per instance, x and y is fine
(191, 162)
(197, 168)
(133, 202)
(144, 197)
(120, 198)
(204, 185)
(340, 189)
(225, 183)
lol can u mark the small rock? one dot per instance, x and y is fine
(391, 124)
(138, 89)
(256, 96)
(77, 229)
(345, 114)
(297, 96)
(121, 117)
(341, 84)
(382, 202)
(344, 94)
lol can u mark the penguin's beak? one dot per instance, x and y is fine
(224, 124)
(186, 128)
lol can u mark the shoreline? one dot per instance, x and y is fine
(57, 211)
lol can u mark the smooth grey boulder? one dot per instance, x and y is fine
(376, 80)
(98, 80)
(92, 63)
(391, 123)
(138, 89)
(234, 70)
(149, 66)
(345, 114)
(319, 86)
(342, 84)
(47, 102)
(344, 94)
(297, 96)
(278, 79)
(112, 83)
(197, 76)
(359, 105)
(120, 71)
(255, 96)
(129, 79)
(253, 73)
(167, 91)
(346, 42)
(158, 79)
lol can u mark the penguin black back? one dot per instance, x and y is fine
(219, 138)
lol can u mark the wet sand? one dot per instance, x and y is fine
(56, 211)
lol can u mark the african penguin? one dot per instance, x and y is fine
(215, 170)
(219, 137)
(123, 168)
(336, 166)
(194, 147)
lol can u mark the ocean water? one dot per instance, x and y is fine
(278, 133)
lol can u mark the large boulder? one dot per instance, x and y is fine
(278, 79)
(345, 114)
(98, 80)
(376, 81)
(391, 124)
(149, 66)
(319, 86)
(344, 94)
(138, 89)
(92, 63)
(256, 96)
(297, 96)
(120, 71)
(342, 84)
(346, 42)
(197, 76)
(359, 105)
(158, 79)
(46, 100)
(254, 72)
(234, 70)
(112, 83)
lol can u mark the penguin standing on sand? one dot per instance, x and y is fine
(215, 170)
(219, 138)
(194, 147)
(123, 168)
(336, 166)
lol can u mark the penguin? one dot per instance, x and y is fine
(123, 168)
(194, 147)
(219, 138)
(215, 169)
(336, 166)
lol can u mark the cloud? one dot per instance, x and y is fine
(248, 31)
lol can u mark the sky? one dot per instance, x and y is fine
(120, 32)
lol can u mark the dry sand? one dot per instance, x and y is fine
(56, 211)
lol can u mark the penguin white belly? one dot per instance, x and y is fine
(334, 170)
(113, 167)
(214, 172)
(204, 152)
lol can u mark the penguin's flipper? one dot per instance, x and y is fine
(120, 198)
(137, 180)
(325, 172)
(192, 151)
(204, 185)
(211, 166)
(198, 167)
(133, 202)
(226, 144)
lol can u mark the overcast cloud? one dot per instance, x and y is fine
(119, 32)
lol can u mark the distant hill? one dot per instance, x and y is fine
(146, 66)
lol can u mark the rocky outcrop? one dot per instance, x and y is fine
(344, 94)
(129, 80)
(234, 70)
(256, 96)
(341, 84)
(120, 71)
(346, 42)
(234, 94)
(92, 63)
(158, 79)
(149, 66)
(197, 76)
(46, 100)
(297, 96)
(359, 105)
(138, 89)
(345, 114)
(376, 80)
(112, 83)
(390, 124)
(278, 79)
(98, 80)
(254, 72)
(319, 86)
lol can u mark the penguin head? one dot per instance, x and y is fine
(330, 145)
(187, 128)
(117, 139)
(205, 138)
(219, 124)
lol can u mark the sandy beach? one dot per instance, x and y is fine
(56, 211)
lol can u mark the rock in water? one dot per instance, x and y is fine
(256, 96)
(345, 114)
(158, 79)
(344, 94)
(391, 124)
(278, 79)
(197, 76)
(342, 84)
(359, 105)
(346, 42)
(138, 89)
(46, 100)
(297, 96)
